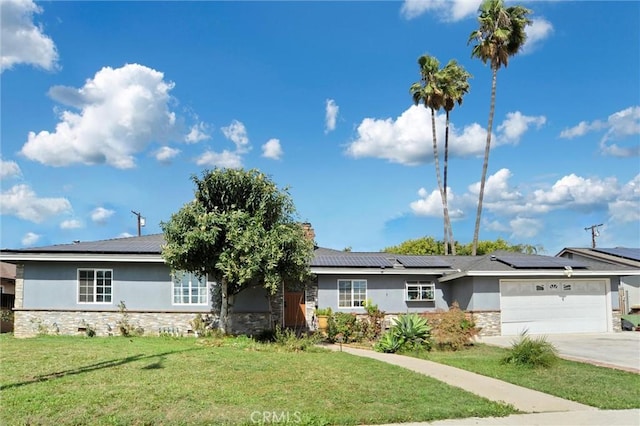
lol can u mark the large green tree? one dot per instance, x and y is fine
(428, 246)
(428, 92)
(500, 35)
(454, 83)
(239, 230)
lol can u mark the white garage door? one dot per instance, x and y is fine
(553, 306)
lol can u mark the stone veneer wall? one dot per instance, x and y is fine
(617, 321)
(105, 323)
(489, 323)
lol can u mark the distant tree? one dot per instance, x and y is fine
(430, 246)
(428, 92)
(240, 231)
(453, 80)
(500, 35)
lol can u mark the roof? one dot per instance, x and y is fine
(619, 255)
(148, 248)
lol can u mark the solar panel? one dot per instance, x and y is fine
(352, 261)
(538, 262)
(627, 253)
(422, 261)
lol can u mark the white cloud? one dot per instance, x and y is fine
(621, 126)
(199, 132)
(21, 201)
(331, 114)
(21, 41)
(516, 124)
(122, 110)
(408, 139)
(125, 235)
(237, 133)
(9, 169)
(165, 154)
(539, 30)
(450, 10)
(430, 204)
(626, 207)
(29, 239)
(101, 215)
(71, 224)
(272, 149)
(524, 227)
(497, 187)
(224, 159)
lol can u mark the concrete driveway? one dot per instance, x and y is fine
(619, 350)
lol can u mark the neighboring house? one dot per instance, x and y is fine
(629, 290)
(7, 295)
(62, 288)
(506, 293)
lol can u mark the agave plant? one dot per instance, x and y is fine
(412, 329)
(389, 343)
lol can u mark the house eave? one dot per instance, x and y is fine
(81, 257)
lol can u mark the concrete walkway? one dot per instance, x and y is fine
(543, 409)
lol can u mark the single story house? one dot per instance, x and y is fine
(63, 288)
(505, 292)
(629, 292)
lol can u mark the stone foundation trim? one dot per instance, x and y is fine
(30, 323)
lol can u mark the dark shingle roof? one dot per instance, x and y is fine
(146, 244)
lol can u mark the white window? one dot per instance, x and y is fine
(420, 291)
(352, 293)
(189, 289)
(94, 285)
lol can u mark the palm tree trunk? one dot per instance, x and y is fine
(436, 160)
(447, 218)
(485, 164)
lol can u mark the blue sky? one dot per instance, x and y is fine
(109, 107)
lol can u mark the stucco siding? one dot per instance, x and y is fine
(387, 291)
(460, 291)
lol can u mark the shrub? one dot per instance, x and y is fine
(290, 341)
(451, 330)
(371, 326)
(533, 353)
(127, 329)
(411, 331)
(344, 325)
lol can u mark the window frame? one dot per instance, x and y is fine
(421, 286)
(192, 278)
(95, 286)
(353, 292)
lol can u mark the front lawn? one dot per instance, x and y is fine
(116, 380)
(600, 387)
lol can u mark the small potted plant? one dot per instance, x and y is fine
(323, 315)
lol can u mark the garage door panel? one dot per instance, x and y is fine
(547, 306)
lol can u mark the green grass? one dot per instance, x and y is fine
(600, 387)
(116, 381)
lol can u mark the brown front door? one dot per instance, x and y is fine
(294, 309)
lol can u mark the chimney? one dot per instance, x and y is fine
(308, 231)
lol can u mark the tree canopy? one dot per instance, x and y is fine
(430, 246)
(239, 230)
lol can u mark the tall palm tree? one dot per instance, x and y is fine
(453, 81)
(428, 92)
(501, 34)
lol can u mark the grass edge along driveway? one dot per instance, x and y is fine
(601, 387)
(75, 380)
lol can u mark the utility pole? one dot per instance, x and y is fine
(141, 222)
(594, 233)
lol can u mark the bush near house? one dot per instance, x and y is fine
(453, 329)
(410, 332)
(533, 353)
